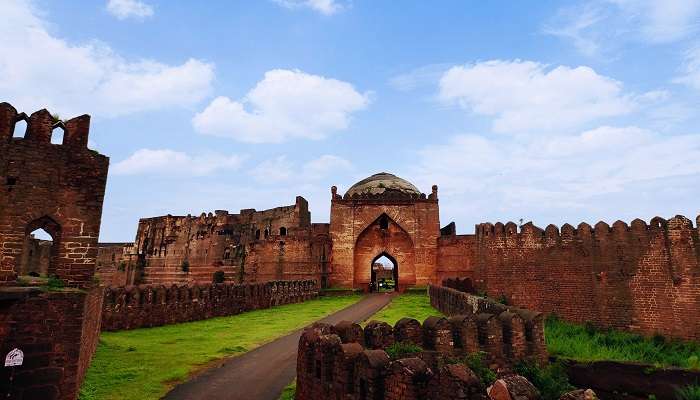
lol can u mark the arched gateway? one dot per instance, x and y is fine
(384, 215)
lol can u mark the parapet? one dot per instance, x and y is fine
(344, 361)
(41, 125)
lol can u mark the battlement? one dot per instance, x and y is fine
(600, 231)
(41, 126)
(345, 361)
(134, 307)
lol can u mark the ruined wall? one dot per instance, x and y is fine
(253, 246)
(36, 256)
(456, 256)
(410, 238)
(117, 264)
(59, 188)
(155, 305)
(644, 277)
(347, 362)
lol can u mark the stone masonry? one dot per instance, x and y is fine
(59, 188)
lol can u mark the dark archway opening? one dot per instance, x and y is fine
(385, 273)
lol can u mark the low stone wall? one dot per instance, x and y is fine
(496, 328)
(142, 306)
(349, 363)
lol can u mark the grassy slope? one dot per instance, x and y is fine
(414, 305)
(588, 344)
(146, 363)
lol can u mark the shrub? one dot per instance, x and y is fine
(219, 276)
(691, 392)
(475, 362)
(121, 266)
(54, 283)
(551, 380)
(502, 299)
(185, 266)
(402, 350)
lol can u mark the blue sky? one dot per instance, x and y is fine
(547, 111)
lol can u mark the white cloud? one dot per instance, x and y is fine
(557, 176)
(284, 105)
(175, 163)
(602, 26)
(42, 70)
(275, 170)
(691, 69)
(525, 95)
(325, 166)
(661, 21)
(123, 9)
(326, 7)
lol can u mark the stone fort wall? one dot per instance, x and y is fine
(155, 305)
(639, 277)
(59, 188)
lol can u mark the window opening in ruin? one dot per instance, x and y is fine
(57, 135)
(384, 274)
(283, 231)
(227, 254)
(267, 233)
(257, 234)
(384, 222)
(20, 129)
(37, 255)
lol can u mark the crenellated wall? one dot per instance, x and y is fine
(640, 277)
(346, 362)
(155, 305)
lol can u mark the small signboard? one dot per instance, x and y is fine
(14, 358)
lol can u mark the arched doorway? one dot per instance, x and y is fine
(384, 273)
(384, 237)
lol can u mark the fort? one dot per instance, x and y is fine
(56, 295)
(643, 277)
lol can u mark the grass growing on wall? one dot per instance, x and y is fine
(146, 363)
(586, 343)
(411, 304)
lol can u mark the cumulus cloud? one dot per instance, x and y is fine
(557, 176)
(286, 104)
(124, 9)
(604, 24)
(325, 7)
(175, 163)
(42, 70)
(525, 95)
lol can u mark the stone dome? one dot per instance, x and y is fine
(380, 184)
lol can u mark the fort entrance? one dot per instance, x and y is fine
(384, 215)
(385, 273)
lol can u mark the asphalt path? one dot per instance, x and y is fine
(262, 374)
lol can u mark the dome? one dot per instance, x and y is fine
(381, 184)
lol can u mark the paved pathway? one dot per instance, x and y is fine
(261, 374)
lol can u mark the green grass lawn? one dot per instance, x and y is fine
(289, 391)
(414, 305)
(146, 363)
(584, 343)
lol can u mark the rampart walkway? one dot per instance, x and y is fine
(261, 374)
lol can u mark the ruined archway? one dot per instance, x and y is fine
(384, 237)
(40, 250)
